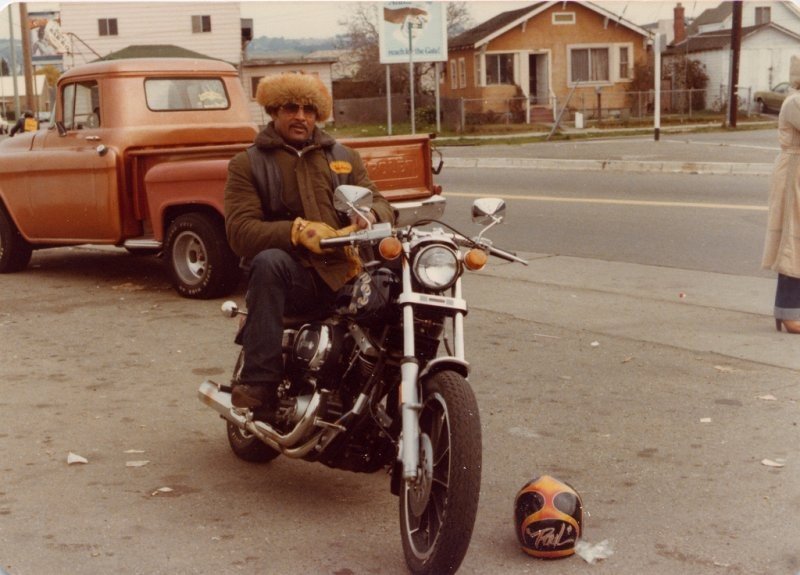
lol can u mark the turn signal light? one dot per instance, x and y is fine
(390, 248)
(475, 259)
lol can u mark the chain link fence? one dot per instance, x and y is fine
(469, 114)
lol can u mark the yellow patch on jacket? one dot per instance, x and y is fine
(341, 167)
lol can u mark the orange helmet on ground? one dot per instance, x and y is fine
(548, 518)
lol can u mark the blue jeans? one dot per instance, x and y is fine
(279, 285)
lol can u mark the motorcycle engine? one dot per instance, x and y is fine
(320, 351)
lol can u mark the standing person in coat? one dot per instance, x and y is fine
(782, 245)
(278, 205)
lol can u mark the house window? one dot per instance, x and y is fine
(763, 15)
(201, 24)
(477, 70)
(499, 69)
(453, 75)
(589, 65)
(562, 18)
(624, 63)
(107, 26)
(462, 73)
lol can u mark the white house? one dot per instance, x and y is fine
(253, 70)
(770, 37)
(99, 28)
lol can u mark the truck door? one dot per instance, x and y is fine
(74, 186)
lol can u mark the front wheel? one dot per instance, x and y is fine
(437, 512)
(201, 263)
(15, 252)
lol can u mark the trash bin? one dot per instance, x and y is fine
(579, 120)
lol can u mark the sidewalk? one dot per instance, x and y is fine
(690, 310)
(679, 150)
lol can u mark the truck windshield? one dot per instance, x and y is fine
(169, 94)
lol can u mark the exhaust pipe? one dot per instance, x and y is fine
(211, 395)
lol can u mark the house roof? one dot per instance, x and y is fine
(721, 39)
(719, 14)
(153, 51)
(502, 23)
(710, 16)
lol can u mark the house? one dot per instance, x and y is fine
(252, 70)
(770, 36)
(544, 52)
(97, 29)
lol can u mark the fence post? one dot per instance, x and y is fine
(463, 118)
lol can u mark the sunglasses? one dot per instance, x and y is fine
(292, 109)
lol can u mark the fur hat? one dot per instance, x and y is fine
(274, 91)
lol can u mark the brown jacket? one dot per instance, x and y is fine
(307, 193)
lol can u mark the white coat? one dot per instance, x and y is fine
(782, 244)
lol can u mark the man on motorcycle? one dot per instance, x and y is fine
(278, 206)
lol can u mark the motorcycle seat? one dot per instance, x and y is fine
(296, 321)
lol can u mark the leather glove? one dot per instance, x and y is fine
(308, 234)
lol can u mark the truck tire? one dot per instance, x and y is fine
(201, 264)
(15, 252)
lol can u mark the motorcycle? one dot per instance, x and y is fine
(382, 383)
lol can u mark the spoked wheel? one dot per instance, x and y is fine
(437, 512)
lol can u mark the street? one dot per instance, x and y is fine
(633, 358)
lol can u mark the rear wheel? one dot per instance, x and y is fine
(437, 513)
(246, 446)
(15, 252)
(201, 263)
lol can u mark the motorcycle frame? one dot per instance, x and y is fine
(410, 376)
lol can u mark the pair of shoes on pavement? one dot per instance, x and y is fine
(261, 398)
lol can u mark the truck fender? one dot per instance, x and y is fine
(184, 183)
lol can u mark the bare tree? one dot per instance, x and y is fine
(361, 39)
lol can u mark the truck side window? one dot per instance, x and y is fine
(81, 105)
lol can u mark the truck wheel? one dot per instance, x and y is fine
(201, 263)
(15, 252)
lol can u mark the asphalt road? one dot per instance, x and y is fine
(662, 394)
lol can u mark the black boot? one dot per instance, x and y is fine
(262, 396)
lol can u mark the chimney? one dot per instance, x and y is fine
(679, 25)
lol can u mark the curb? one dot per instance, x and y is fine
(707, 168)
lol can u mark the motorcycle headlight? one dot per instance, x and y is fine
(436, 267)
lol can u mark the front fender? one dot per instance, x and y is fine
(192, 182)
(434, 366)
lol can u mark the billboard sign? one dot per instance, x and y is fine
(422, 25)
(48, 42)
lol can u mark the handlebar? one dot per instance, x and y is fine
(384, 230)
(377, 232)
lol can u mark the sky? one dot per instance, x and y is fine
(320, 19)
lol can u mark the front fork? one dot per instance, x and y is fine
(410, 406)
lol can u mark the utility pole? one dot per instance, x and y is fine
(13, 61)
(736, 45)
(27, 66)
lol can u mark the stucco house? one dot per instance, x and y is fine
(770, 37)
(544, 52)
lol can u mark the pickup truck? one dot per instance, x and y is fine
(136, 156)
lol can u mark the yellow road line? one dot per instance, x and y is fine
(612, 201)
